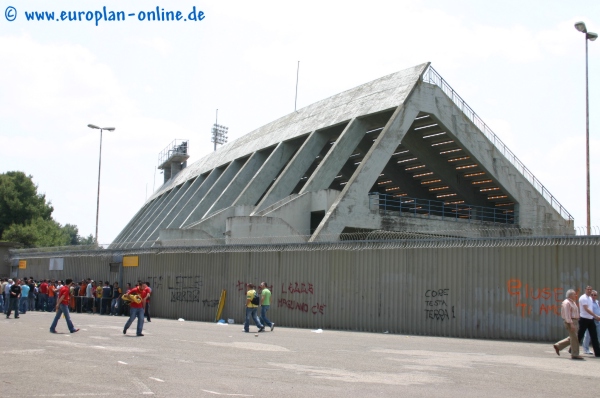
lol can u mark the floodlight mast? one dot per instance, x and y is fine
(219, 132)
(93, 126)
(580, 26)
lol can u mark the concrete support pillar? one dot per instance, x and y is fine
(133, 240)
(353, 201)
(213, 193)
(165, 210)
(337, 156)
(187, 204)
(177, 206)
(130, 225)
(149, 210)
(268, 171)
(294, 170)
(238, 183)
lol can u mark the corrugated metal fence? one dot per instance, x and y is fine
(471, 288)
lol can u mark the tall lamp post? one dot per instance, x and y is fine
(92, 126)
(580, 26)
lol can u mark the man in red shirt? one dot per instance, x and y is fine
(137, 309)
(44, 296)
(62, 307)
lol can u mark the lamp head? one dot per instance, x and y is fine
(592, 36)
(580, 26)
(93, 126)
(109, 128)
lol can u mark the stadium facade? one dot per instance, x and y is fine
(399, 156)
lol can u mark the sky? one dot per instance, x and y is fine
(519, 65)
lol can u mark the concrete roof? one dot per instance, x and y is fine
(381, 94)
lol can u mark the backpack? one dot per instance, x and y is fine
(255, 299)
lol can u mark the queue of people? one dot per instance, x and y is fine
(19, 296)
(582, 321)
(62, 298)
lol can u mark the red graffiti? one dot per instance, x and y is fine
(292, 305)
(318, 309)
(240, 286)
(515, 287)
(298, 288)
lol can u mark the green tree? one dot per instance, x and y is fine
(20, 202)
(38, 233)
(26, 217)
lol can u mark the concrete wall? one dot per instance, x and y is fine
(480, 288)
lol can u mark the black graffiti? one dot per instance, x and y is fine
(435, 303)
(185, 295)
(155, 282)
(439, 315)
(184, 282)
(210, 303)
(437, 292)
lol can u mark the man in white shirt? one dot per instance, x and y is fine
(587, 318)
(596, 310)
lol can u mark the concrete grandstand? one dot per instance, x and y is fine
(402, 153)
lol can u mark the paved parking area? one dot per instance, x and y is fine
(196, 359)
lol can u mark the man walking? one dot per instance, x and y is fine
(15, 296)
(596, 311)
(587, 318)
(62, 307)
(265, 304)
(252, 302)
(570, 315)
(136, 309)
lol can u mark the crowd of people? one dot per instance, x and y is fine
(104, 298)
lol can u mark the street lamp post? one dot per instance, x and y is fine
(580, 26)
(92, 126)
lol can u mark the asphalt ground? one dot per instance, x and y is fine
(198, 359)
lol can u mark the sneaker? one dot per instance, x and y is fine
(261, 329)
(53, 331)
(124, 331)
(141, 334)
(272, 326)
(75, 331)
(588, 352)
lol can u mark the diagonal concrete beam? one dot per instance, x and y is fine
(134, 238)
(268, 171)
(213, 192)
(353, 201)
(337, 156)
(238, 183)
(197, 191)
(135, 227)
(165, 210)
(294, 170)
(177, 206)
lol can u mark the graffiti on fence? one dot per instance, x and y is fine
(184, 288)
(436, 301)
(210, 303)
(296, 287)
(528, 296)
(299, 304)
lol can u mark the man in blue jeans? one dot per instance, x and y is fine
(265, 304)
(136, 309)
(252, 304)
(62, 307)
